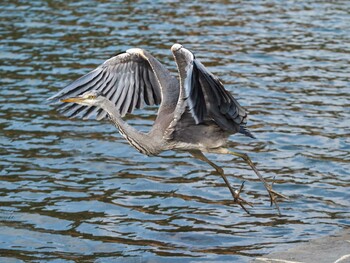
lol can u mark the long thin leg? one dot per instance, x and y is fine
(235, 193)
(272, 193)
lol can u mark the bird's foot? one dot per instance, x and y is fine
(274, 195)
(238, 200)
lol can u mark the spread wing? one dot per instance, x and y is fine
(215, 100)
(204, 96)
(127, 80)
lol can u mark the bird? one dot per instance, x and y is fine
(196, 113)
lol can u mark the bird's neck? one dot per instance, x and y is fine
(143, 142)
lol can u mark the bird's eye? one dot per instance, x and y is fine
(91, 97)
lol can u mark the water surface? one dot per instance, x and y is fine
(74, 190)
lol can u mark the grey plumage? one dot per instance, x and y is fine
(116, 79)
(196, 113)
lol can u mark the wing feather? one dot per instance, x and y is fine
(127, 79)
(141, 100)
(125, 99)
(204, 97)
(135, 91)
(101, 114)
(148, 98)
(221, 106)
(91, 111)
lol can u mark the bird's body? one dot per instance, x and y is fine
(208, 135)
(196, 113)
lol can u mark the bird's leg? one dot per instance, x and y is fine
(235, 193)
(272, 193)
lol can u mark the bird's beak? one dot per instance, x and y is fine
(73, 99)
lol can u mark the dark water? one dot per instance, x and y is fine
(74, 190)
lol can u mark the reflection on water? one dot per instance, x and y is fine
(73, 189)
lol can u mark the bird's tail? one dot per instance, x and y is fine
(244, 130)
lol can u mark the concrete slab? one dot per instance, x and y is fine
(331, 249)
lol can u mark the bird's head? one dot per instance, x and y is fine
(89, 98)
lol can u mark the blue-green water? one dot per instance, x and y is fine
(75, 191)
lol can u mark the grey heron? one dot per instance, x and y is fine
(196, 113)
